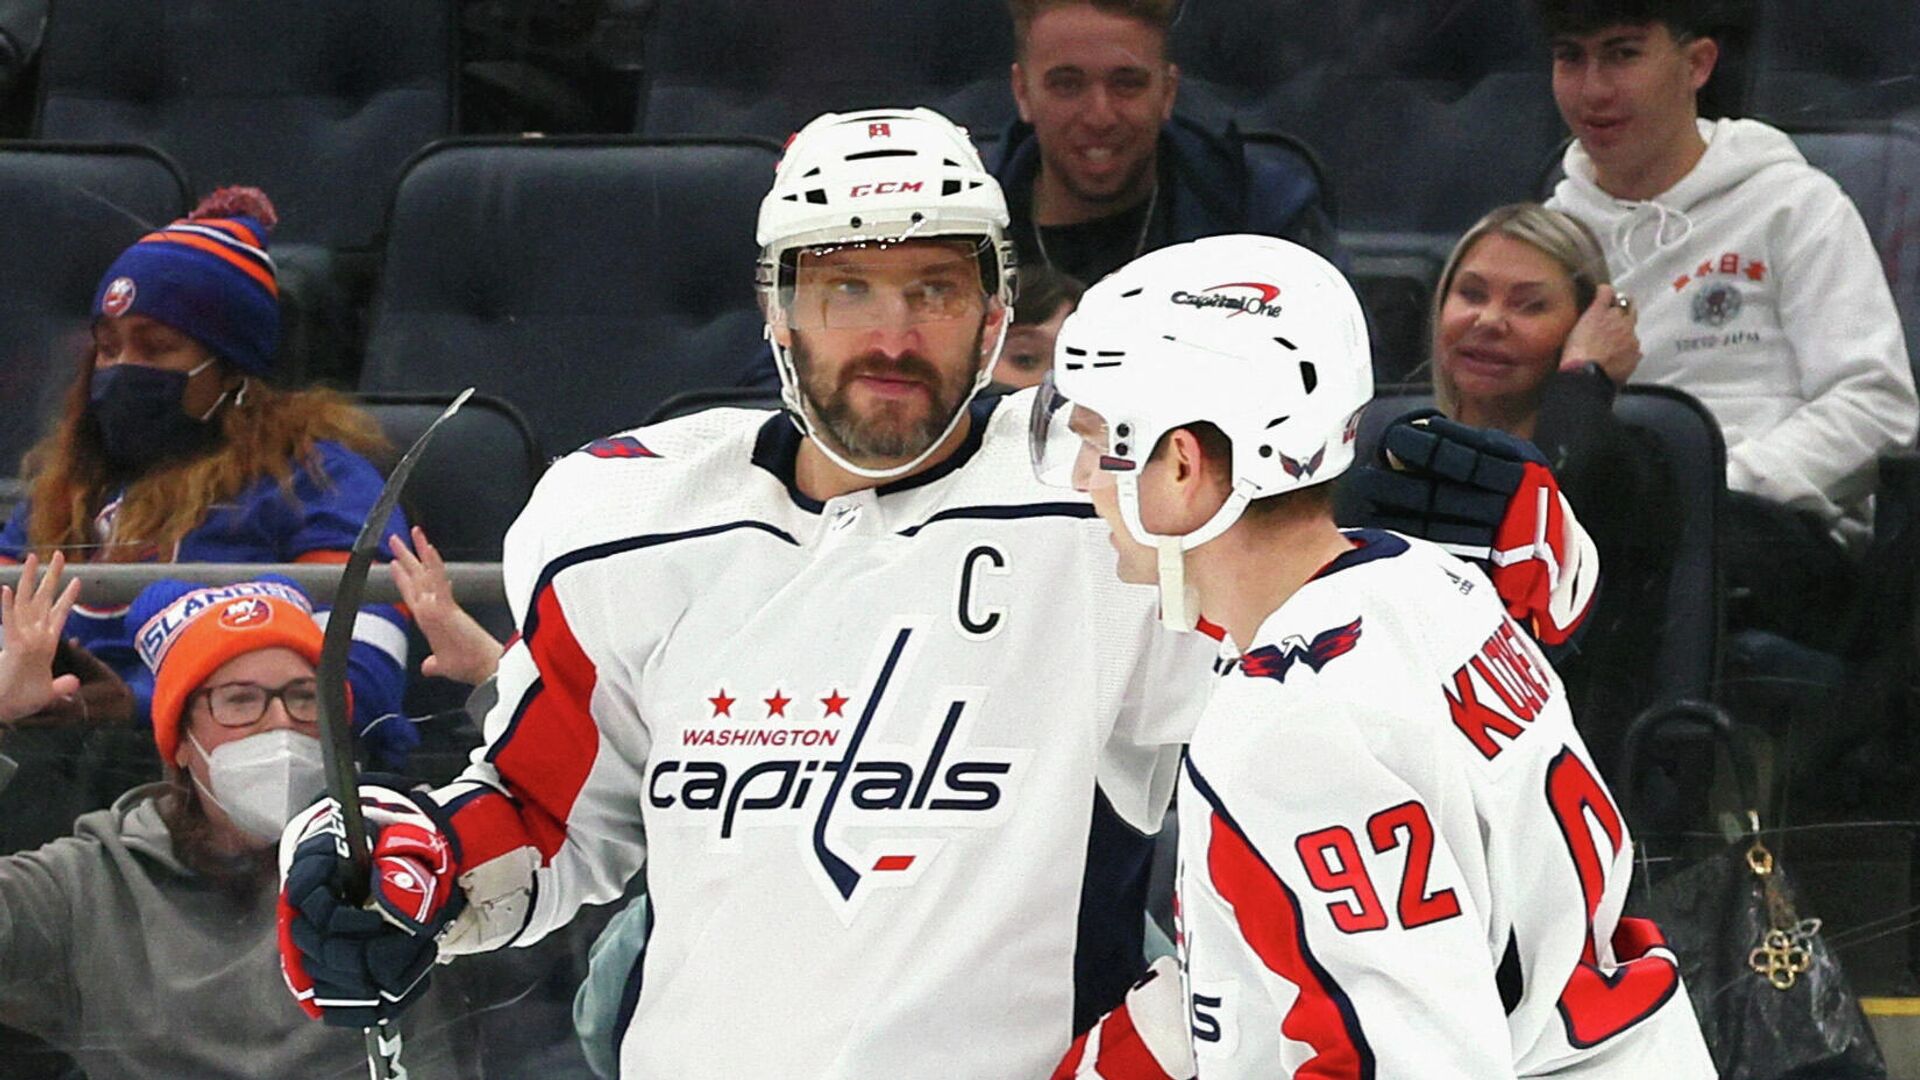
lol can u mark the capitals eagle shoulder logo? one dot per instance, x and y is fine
(1274, 661)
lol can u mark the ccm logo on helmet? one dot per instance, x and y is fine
(1211, 297)
(885, 187)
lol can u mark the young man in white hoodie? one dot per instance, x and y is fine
(1759, 290)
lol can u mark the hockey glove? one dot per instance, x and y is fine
(1146, 1038)
(1488, 497)
(358, 966)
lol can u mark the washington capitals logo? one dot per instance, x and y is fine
(1273, 662)
(242, 614)
(619, 446)
(1298, 469)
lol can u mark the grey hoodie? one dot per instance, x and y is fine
(115, 952)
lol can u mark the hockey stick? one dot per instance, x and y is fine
(354, 881)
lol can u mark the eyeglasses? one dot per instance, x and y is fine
(238, 704)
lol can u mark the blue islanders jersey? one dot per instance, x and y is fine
(316, 523)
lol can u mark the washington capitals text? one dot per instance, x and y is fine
(932, 784)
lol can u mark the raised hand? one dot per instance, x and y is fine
(31, 618)
(462, 649)
(1605, 335)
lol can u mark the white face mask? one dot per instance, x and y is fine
(261, 781)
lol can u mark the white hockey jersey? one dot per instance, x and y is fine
(856, 745)
(1397, 858)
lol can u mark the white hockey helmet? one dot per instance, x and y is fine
(878, 177)
(1258, 336)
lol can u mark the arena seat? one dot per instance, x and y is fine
(583, 279)
(1877, 163)
(475, 476)
(71, 208)
(765, 67)
(1815, 61)
(731, 397)
(319, 104)
(1428, 114)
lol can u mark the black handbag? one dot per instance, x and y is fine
(1770, 995)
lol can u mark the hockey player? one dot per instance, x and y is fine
(862, 694)
(1396, 857)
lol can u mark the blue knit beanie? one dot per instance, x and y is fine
(208, 276)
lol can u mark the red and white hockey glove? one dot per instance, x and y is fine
(358, 966)
(1146, 1038)
(1488, 497)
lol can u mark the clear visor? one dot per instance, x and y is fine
(1069, 443)
(856, 286)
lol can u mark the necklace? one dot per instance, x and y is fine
(1139, 243)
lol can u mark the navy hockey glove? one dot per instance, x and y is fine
(359, 966)
(1489, 497)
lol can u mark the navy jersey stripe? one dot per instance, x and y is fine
(1006, 513)
(1110, 943)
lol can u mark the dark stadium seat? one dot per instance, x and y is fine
(1428, 114)
(732, 397)
(70, 210)
(319, 104)
(1816, 61)
(1696, 458)
(582, 279)
(765, 67)
(1877, 163)
(475, 476)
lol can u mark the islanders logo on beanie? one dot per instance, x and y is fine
(186, 633)
(207, 275)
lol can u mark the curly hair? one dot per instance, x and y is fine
(264, 432)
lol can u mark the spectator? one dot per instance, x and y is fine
(1761, 295)
(1530, 339)
(144, 944)
(1046, 298)
(1099, 169)
(174, 447)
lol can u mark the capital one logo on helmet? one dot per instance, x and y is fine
(118, 297)
(1261, 303)
(906, 790)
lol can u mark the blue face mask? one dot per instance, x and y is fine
(138, 409)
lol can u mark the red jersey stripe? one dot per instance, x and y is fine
(550, 746)
(1268, 914)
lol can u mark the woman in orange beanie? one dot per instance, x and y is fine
(163, 906)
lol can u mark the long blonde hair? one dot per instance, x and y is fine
(1560, 237)
(263, 432)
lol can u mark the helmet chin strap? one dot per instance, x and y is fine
(1179, 598)
(800, 409)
